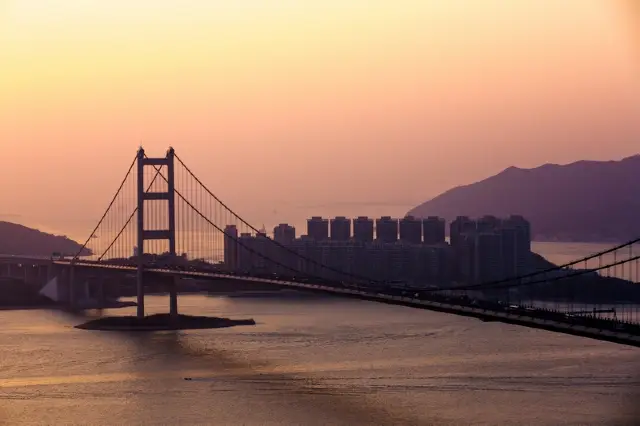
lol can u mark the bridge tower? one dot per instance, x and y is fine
(162, 234)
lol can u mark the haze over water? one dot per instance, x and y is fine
(310, 362)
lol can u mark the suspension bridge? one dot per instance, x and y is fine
(164, 227)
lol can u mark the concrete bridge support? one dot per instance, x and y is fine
(63, 284)
(101, 291)
(31, 274)
(72, 287)
(50, 271)
(12, 270)
(173, 298)
(42, 275)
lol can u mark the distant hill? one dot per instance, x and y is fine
(586, 201)
(19, 240)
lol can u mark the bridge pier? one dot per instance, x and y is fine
(140, 293)
(87, 290)
(173, 299)
(31, 274)
(50, 274)
(101, 295)
(72, 288)
(44, 275)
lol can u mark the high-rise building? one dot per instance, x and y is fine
(461, 225)
(509, 247)
(363, 229)
(488, 223)
(464, 252)
(410, 230)
(284, 233)
(489, 262)
(387, 229)
(491, 248)
(263, 248)
(340, 228)
(231, 247)
(341, 257)
(462, 233)
(246, 254)
(318, 228)
(433, 230)
(431, 264)
(522, 231)
(284, 260)
(310, 256)
(255, 253)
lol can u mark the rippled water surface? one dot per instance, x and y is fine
(310, 361)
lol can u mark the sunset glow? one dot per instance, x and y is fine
(283, 104)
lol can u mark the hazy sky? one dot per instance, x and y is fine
(285, 104)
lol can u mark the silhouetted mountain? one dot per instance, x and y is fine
(19, 240)
(582, 201)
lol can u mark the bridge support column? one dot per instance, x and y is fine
(44, 275)
(87, 290)
(50, 272)
(31, 274)
(63, 285)
(173, 299)
(140, 296)
(140, 242)
(39, 279)
(101, 295)
(72, 287)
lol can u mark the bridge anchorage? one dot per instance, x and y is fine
(164, 231)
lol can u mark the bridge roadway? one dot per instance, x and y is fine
(26, 260)
(527, 318)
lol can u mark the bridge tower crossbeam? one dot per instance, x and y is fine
(144, 234)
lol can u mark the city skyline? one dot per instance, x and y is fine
(453, 93)
(408, 250)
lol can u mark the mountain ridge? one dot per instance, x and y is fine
(16, 239)
(585, 201)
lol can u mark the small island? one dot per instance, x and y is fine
(160, 322)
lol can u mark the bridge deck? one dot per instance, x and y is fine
(518, 318)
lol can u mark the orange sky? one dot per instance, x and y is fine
(282, 104)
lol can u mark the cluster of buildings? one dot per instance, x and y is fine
(409, 250)
(490, 249)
